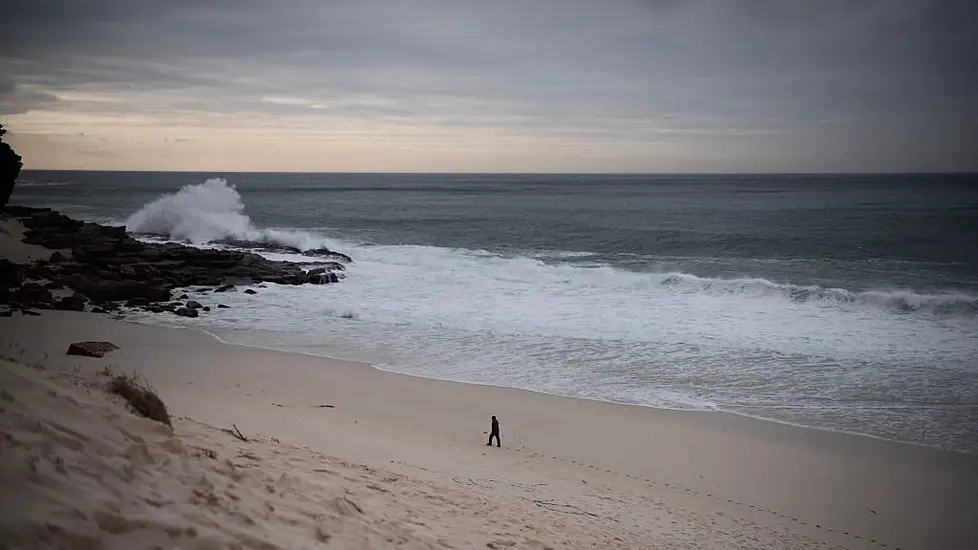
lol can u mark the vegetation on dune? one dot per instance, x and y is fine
(140, 397)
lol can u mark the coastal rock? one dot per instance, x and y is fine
(91, 349)
(57, 257)
(10, 273)
(108, 266)
(194, 304)
(321, 277)
(222, 306)
(32, 294)
(250, 291)
(327, 253)
(75, 302)
(186, 312)
(10, 164)
(118, 291)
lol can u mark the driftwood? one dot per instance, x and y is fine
(236, 433)
(323, 406)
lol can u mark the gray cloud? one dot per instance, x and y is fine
(780, 83)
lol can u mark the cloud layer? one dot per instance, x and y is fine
(431, 85)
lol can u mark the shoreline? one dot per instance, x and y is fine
(366, 364)
(549, 394)
(917, 497)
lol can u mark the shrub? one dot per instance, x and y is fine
(140, 397)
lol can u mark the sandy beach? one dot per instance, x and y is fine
(342, 455)
(409, 456)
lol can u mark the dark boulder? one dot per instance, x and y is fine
(249, 291)
(194, 304)
(10, 273)
(33, 294)
(321, 278)
(75, 302)
(222, 306)
(91, 349)
(186, 312)
(57, 257)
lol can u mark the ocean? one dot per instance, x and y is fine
(841, 302)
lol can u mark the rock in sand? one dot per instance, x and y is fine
(91, 349)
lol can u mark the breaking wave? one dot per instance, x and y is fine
(212, 212)
(951, 303)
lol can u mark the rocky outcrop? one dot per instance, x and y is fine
(75, 302)
(323, 253)
(106, 267)
(10, 164)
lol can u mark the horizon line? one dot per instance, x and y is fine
(541, 173)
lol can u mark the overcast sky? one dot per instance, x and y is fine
(499, 85)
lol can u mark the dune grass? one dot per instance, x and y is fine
(140, 397)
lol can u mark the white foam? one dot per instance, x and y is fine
(599, 333)
(209, 212)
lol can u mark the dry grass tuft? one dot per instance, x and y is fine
(140, 397)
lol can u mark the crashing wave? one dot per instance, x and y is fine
(951, 303)
(212, 212)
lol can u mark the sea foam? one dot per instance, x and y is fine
(211, 212)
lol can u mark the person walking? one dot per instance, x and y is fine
(494, 432)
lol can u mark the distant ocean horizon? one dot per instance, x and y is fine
(840, 301)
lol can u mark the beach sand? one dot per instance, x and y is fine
(401, 462)
(342, 455)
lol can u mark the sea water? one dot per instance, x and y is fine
(845, 302)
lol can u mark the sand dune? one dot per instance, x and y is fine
(79, 471)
